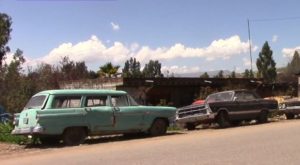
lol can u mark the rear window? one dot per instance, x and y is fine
(224, 96)
(36, 102)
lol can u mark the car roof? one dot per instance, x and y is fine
(237, 90)
(82, 92)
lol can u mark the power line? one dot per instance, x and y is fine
(275, 19)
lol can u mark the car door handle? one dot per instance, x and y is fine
(87, 109)
(117, 109)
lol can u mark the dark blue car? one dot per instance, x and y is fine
(4, 117)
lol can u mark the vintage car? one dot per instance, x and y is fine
(290, 107)
(72, 115)
(4, 116)
(228, 108)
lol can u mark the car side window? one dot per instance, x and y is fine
(239, 96)
(119, 101)
(249, 96)
(66, 102)
(96, 101)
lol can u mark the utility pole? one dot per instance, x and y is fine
(250, 49)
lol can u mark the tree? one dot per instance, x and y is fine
(108, 70)
(288, 73)
(16, 92)
(132, 68)
(232, 75)
(204, 75)
(293, 67)
(71, 70)
(246, 74)
(152, 69)
(266, 65)
(5, 29)
(220, 74)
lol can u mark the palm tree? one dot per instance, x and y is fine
(108, 70)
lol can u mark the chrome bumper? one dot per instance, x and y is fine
(292, 109)
(28, 131)
(194, 119)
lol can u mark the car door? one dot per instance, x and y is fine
(99, 113)
(128, 117)
(66, 111)
(247, 105)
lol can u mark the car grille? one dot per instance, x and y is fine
(191, 110)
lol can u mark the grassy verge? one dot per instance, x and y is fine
(6, 136)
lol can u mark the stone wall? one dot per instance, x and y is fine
(103, 83)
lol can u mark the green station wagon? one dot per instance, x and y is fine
(72, 115)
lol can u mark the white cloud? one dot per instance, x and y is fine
(246, 61)
(115, 26)
(274, 38)
(95, 52)
(289, 52)
(90, 51)
(218, 49)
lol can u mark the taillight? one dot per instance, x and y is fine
(15, 120)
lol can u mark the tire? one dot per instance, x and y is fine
(159, 127)
(263, 117)
(190, 126)
(223, 119)
(49, 140)
(289, 116)
(74, 136)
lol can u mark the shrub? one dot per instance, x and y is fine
(6, 136)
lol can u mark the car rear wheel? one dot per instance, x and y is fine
(74, 136)
(263, 117)
(223, 119)
(190, 126)
(159, 127)
(289, 116)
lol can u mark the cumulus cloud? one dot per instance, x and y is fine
(90, 51)
(246, 61)
(274, 38)
(218, 49)
(289, 52)
(115, 26)
(95, 52)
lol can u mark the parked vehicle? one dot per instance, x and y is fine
(190, 116)
(72, 115)
(229, 108)
(290, 107)
(4, 116)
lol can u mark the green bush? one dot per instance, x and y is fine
(6, 136)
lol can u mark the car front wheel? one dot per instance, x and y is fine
(263, 117)
(159, 127)
(290, 116)
(223, 120)
(190, 126)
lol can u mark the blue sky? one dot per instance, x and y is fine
(185, 36)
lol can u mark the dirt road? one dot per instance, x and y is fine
(272, 143)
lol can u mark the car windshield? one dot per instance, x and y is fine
(225, 96)
(36, 102)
